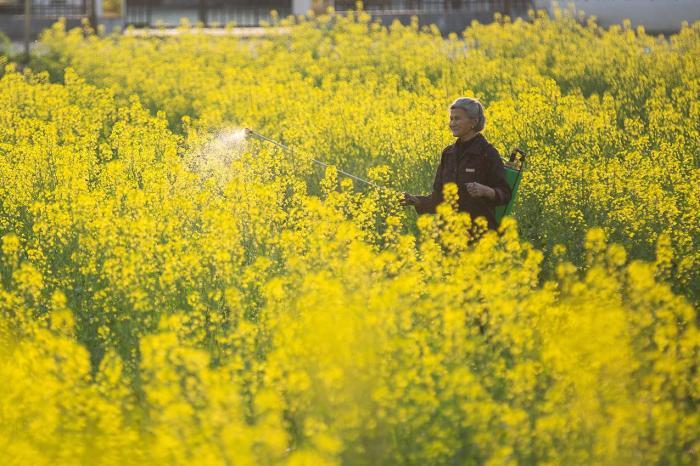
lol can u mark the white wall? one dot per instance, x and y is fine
(300, 7)
(654, 15)
(50, 2)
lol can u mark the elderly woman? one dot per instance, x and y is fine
(472, 163)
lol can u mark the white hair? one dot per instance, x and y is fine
(473, 108)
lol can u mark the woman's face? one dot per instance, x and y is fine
(460, 123)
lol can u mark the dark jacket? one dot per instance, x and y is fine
(464, 162)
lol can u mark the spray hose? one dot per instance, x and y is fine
(513, 172)
(250, 132)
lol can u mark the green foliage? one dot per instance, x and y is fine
(165, 298)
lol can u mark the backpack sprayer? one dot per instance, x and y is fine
(513, 167)
(514, 172)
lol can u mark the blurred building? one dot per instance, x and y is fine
(43, 13)
(448, 15)
(657, 16)
(207, 12)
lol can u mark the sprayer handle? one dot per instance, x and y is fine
(517, 151)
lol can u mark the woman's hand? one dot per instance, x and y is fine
(409, 199)
(481, 190)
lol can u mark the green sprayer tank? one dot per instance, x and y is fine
(514, 172)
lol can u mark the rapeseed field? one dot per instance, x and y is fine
(170, 294)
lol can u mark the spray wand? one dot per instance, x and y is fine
(250, 132)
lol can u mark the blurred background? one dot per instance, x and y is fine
(20, 17)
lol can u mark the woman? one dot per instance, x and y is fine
(472, 163)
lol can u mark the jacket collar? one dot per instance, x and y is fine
(476, 145)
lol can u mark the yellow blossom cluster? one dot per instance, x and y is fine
(262, 311)
(607, 117)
